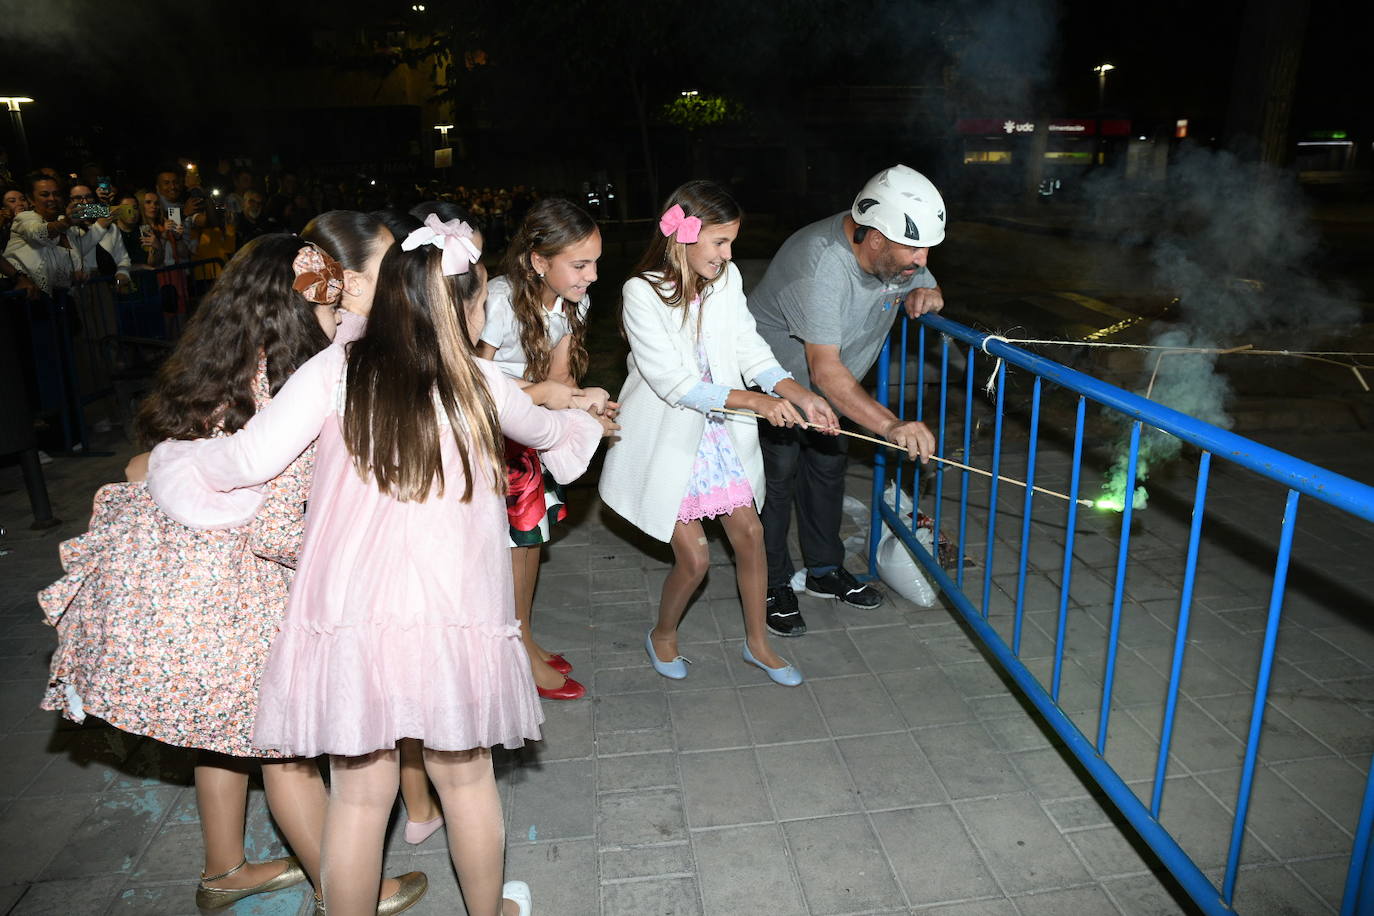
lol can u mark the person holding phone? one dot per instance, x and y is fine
(98, 244)
(38, 245)
(149, 226)
(178, 244)
(136, 238)
(105, 191)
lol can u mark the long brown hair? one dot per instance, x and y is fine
(664, 263)
(158, 221)
(414, 351)
(551, 226)
(250, 312)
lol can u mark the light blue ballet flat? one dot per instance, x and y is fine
(787, 675)
(675, 669)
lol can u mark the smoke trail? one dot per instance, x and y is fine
(1233, 241)
(1003, 52)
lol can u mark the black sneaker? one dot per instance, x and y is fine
(783, 617)
(841, 584)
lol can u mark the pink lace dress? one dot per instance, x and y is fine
(718, 485)
(164, 630)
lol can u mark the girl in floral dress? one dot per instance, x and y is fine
(679, 461)
(163, 630)
(535, 332)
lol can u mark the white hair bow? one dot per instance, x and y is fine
(453, 238)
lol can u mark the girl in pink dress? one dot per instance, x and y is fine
(164, 630)
(400, 621)
(693, 350)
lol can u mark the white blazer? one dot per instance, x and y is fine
(647, 470)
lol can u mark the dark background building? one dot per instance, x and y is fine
(787, 102)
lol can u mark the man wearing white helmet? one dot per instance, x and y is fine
(825, 306)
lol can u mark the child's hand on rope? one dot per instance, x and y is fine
(775, 410)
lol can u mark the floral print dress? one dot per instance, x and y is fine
(718, 485)
(164, 630)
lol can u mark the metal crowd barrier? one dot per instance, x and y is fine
(989, 354)
(94, 341)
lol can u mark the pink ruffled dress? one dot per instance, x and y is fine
(401, 619)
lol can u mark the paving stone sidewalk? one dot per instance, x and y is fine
(905, 775)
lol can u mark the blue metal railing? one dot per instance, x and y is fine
(1300, 479)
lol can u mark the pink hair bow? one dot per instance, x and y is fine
(453, 238)
(686, 227)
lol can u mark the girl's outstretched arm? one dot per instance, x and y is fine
(566, 439)
(203, 483)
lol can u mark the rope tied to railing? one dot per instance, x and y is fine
(1320, 356)
(937, 458)
(991, 384)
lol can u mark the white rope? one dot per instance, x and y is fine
(991, 383)
(1320, 356)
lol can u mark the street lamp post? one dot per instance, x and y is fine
(443, 130)
(17, 119)
(1101, 70)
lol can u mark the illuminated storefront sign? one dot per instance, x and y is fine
(1079, 127)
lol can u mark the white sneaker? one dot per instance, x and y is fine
(519, 893)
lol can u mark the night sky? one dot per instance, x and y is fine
(179, 76)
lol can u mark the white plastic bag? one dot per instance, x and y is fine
(900, 571)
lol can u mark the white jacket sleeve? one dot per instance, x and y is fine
(30, 227)
(113, 243)
(653, 329)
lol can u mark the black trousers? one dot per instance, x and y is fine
(806, 470)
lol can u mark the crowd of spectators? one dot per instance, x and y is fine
(59, 228)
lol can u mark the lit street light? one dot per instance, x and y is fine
(17, 118)
(1101, 71)
(443, 130)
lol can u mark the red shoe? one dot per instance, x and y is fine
(560, 664)
(570, 690)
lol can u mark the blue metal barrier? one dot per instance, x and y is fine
(1300, 478)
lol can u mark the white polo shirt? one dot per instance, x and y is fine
(502, 330)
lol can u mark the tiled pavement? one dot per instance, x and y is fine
(903, 776)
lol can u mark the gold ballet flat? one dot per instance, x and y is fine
(413, 887)
(212, 899)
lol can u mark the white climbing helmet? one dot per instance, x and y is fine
(904, 206)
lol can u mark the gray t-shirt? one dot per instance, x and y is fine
(815, 292)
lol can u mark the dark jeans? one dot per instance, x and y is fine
(805, 469)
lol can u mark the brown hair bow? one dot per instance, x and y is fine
(319, 278)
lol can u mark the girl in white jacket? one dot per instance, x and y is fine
(693, 350)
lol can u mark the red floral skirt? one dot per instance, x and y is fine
(534, 501)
